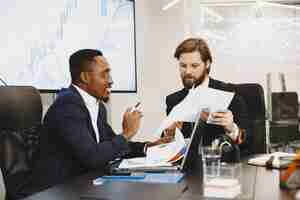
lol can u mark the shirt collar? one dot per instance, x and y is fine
(205, 83)
(87, 98)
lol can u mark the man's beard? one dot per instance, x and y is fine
(188, 84)
(105, 99)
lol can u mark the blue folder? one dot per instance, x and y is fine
(163, 177)
(148, 178)
(122, 177)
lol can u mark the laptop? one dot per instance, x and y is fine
(186, 162)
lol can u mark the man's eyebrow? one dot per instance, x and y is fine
(107, 70)
(101, 61)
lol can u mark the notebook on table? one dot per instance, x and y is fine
(181, 165)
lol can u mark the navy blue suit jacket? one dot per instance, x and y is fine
(68, 146)
(210, 132)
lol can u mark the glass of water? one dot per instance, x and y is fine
(211, 159)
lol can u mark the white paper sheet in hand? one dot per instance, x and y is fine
(210, 98)
(198, 99)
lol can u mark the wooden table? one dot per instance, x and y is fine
(257, 183)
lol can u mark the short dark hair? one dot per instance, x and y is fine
(80, 61)
(194, 44)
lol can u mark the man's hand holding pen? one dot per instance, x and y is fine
(131, 121)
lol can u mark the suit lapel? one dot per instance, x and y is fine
(101, 121)
(182, 94)
(213, 83)
(86, 112)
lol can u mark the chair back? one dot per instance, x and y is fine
(20, 122)
(284, 123)
(2, 187)
(285, 106)
(253, 95)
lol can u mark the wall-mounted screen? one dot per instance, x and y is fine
(37, 38)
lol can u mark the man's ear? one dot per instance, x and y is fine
(207, 64)
(84, 77)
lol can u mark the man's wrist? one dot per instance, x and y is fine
(126, 136)
(230, 128)
(234, 133)
(146, 147)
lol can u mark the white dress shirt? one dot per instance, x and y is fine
(92, 104)
(235, 133)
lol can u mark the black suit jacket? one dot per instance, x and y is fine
(68, 146)
(209, 131)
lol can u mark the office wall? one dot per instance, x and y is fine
(254, 48)
(157, 35)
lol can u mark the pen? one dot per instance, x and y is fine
(135, 107)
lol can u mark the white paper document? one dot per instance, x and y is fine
(141, 162)
(190, 107)
(160, 155)
(261, 160)
(169, 152)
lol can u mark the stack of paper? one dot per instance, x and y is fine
(167, 153)
(262, 159)
(160, 155)
(222, 188)
(135, 163)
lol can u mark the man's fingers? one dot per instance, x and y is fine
(136, 114)
(221, 114)
(179, 124)
(217, 120)
(221, 123)
(167, 139)
(173, 126)
(169, 132)
(222, 120)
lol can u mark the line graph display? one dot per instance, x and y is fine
(37, 38)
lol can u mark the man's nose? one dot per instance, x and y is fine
(110, 81)
(188, 70)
